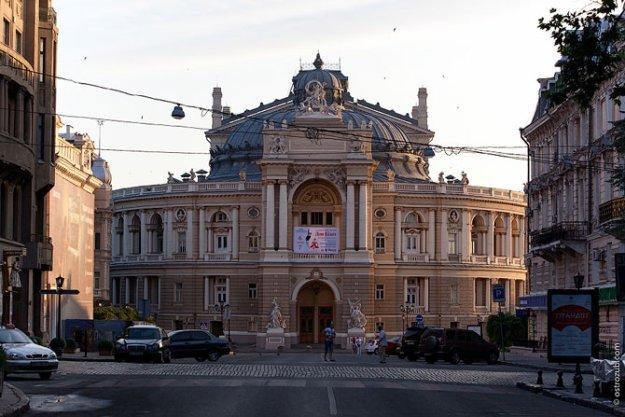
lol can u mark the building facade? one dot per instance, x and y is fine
(102, 230)
(318, 201)
(27, 131)
(71, 205)
(572, 205)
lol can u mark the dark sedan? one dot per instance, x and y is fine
(198, 344)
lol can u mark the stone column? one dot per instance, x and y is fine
(10, 189)
(210, 241)
(508, 244)
(144, 234)
(349, 216)
(126, 290)
(363, 232)
(521, 240)
(235, 233)
(19, 115)
(169, 229)
(282, 221)
(431, 246)
(398, 239)
(443, 238)
(426, 294)
(189, 235)
(488, 295)
(202, 233)
(114, 238)
(4, 109)
(146, 288)
(490, 235)
(127, 241)
(269, 222)
(466, 235)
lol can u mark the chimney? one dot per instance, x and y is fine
(68, 132)
(217, 116)
(422, 108)
(226, 111)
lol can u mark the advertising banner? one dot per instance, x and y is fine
(317, 240)
(573, 324)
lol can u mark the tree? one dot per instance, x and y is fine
(126, 313)
(591, 42)
(513, 329)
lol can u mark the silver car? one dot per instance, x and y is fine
(26, 357)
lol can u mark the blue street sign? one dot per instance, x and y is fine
(499, 293)
(419, 320)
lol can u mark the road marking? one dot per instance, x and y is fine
(332, 401)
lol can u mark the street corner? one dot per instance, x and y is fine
(13, 401)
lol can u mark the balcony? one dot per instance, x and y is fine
(559, 238)
(39, 253)
(217, 256)
(612, 217)
(315, 257)
(415, 257)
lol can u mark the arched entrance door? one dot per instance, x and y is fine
(315, 310)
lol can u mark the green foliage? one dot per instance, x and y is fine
(57, 344)
(70, 345)
(127, 313)
(513, 329)
(105, 345)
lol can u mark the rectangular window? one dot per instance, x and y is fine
(97, 241)
(480, 292)
(379, 291)
(221, 290)
(178, 292)
(412, 290)
(18, 41)
(451, 246)
(7, 33)
(316, 218)
(380, 243)
(253, 242)
(329, 219)
(454, 295)
(411, 243)
(41, 138)
(41, 69)
(222, 242)
(182, 242)
(304, 219)
(96, 280)
(251, 290)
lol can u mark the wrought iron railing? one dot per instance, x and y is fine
(560, 231)
(612, 210)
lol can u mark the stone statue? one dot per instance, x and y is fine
(170, 178)
(275, 317)
(390, 174)
(441, 177)
(14, 278)
(242, 176)
(192, 173)
(357, 319)
(465, 179)
(277, 146)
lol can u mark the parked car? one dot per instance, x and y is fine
(454, 345)
(23, 356)
(410, 343)
(371, 347)
(143, 342)
(198, 344)
(392, 346)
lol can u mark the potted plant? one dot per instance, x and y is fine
(70, 346)
(105, 348)
(57, 345)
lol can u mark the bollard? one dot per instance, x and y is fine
(596, 392)
(577, 381)
(560, 381)
(539, 380)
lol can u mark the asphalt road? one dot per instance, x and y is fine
(314, 389)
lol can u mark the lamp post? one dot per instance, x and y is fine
(578, 280)
(59, 285)
(223, 307)
(405, 309)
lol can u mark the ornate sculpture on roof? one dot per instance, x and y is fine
(336, 175)
(276, 321)
(465, 179)
(170, 178)
(315, 101)
(441, 177)
(357, 320)
(242, 176)
(278, 146)
(192, 175)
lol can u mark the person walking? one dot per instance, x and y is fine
(329, 333)
(359, 345)
(382, 343)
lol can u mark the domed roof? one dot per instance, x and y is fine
(101, 170)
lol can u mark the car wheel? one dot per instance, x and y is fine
(401, 355)
(213, 356)
(412, 357)
(430, 359)
(492, 358)
(118, 358)
(454, 357)
(45, 375)
(167, 357)
(200, 358)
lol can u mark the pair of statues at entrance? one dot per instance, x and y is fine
(357, 319)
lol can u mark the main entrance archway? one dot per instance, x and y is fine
(315, 311)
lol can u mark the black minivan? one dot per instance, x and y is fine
(455, 345)
(198, 344)
(410, 343)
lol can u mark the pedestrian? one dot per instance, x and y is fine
(359, 345)
(382, 343)
(329, 333)
(353, 342)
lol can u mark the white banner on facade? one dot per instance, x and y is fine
(315, 240)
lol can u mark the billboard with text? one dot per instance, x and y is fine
(318, 240)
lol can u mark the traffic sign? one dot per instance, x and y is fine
(499, 293)
(419, 320)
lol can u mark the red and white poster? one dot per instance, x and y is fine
(315, 240)
(573, 326)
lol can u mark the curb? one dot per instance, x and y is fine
(86, 359)
(543, 368)
(22, 405)
(588, 403)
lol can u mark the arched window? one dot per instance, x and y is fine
(220, 216)
(135, 233)
(500, 237)
(380, 242)
(478, 235)
(119, 231)
(155, 232)
(414, 233)
(516, 239)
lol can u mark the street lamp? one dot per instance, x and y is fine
(177, 113)
(222, 307)
(579, 283)
(59, 285)
(405, 309)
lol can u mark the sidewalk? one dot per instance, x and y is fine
(13, 401)
(525, 358)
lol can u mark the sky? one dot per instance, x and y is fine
(479, 60)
